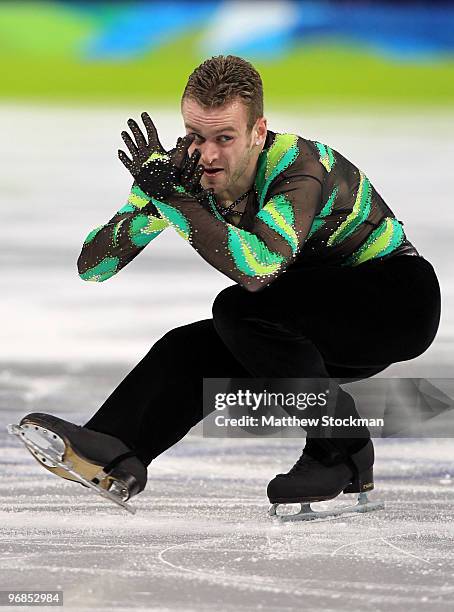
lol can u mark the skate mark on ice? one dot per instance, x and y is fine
(251, 582)
(177, 567)
(397, 535)
(404, 551)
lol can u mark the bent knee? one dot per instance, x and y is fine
(186, 335)
(231, 304)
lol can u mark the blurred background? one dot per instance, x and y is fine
(323, 53)
(375, 80)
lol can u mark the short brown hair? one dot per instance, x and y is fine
(222, 78)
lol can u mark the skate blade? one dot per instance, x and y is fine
(49, 449)
(307, 514)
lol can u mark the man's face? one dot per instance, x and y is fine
(223, 139)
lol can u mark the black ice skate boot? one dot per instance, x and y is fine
(326, 468)
(96, 460)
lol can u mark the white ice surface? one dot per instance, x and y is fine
(201, 539)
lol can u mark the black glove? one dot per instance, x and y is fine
(157, 172)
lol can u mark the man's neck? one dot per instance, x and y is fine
(226, 199)
(228, 196)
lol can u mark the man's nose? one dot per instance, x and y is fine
(208, 153)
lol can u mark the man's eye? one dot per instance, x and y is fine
(196, 137)
(226, 138)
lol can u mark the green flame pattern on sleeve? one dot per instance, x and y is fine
(108, 248)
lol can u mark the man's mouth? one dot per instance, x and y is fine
(212, 171)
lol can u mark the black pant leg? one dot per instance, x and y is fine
(162, 397)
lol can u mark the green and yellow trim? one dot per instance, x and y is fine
(175, 218)
(279, 216)
(104, 270)
(359, 214)
(250, 254)
(382, 241)
(327, 209)
(281, 154)
(326, 156)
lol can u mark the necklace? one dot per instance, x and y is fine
(225, 211)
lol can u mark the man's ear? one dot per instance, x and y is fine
(260, 131)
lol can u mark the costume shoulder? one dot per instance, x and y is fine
(283, 155)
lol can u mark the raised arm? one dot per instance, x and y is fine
(108, 248)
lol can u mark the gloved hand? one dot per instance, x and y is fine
(158, 172)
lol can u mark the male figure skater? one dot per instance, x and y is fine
(326, 284)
